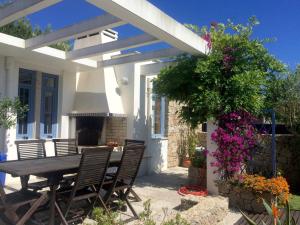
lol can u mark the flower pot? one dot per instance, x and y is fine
(197, 176)
(186, 163)
(243, 198)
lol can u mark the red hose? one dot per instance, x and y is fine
(192, 190)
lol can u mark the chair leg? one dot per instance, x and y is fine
(135, 195)
(132, 209)
(60, 214)
(11, 215)
(33, 208)
(103, 204)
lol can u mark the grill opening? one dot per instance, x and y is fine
(89, 130)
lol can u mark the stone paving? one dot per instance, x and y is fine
(161, 189)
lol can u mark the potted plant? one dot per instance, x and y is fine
(247, 191)
(190, 145)
(9, 109)
(197, 171)
(182, 149)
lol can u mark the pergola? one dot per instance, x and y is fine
(156, 25)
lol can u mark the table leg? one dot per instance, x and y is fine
(24, 181)
(52, 203)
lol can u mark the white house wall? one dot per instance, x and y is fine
(67, 85)
(136, 106)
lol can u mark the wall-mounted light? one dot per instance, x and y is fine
(124, 80)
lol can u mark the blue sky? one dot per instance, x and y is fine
(279, 19)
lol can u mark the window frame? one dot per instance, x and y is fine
(31, 104)
(163, 117)
(44, 90)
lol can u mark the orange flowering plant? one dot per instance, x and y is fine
(277, 186)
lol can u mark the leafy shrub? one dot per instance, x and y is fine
(9, 108)
(146, 218)
(103, 218)
(233, 76)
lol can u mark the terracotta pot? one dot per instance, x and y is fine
(186, 163)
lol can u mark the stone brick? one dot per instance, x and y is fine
(175, 131)
(116, 129)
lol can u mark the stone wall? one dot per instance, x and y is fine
(175, 132)
(116, 129)
(288, 158)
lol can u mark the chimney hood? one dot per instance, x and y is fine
(93, 104)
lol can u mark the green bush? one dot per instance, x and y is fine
(234, 76)
(146, 218)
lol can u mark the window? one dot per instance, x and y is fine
(158, 115)
(49, 106)
(26, 96)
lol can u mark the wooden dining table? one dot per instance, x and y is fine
(53, 169)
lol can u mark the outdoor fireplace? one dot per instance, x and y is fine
(89, 130)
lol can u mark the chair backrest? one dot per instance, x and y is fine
(130, 163)
(30, 149)
(134, 142)
(65, 147)
(93, 166)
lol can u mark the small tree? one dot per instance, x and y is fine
(229, 85)
(287, 106)
(233, 76)
(9, 109)
(22, 28)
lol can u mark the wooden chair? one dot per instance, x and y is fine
(65, 147)
(125, 177)
(134, 142)
(89, 180)
(10, 205)
(31, 149)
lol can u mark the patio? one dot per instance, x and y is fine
(161, 189)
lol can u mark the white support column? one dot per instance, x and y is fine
(20, 8)
(211, 146)
(2, 94)
(12, 92)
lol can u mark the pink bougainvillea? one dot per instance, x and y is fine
(236, 138)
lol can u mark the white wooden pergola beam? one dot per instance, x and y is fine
(141, 57)
(154, 68)
(21, 8)
(152, 20)
(114, 46)
(96, 24)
